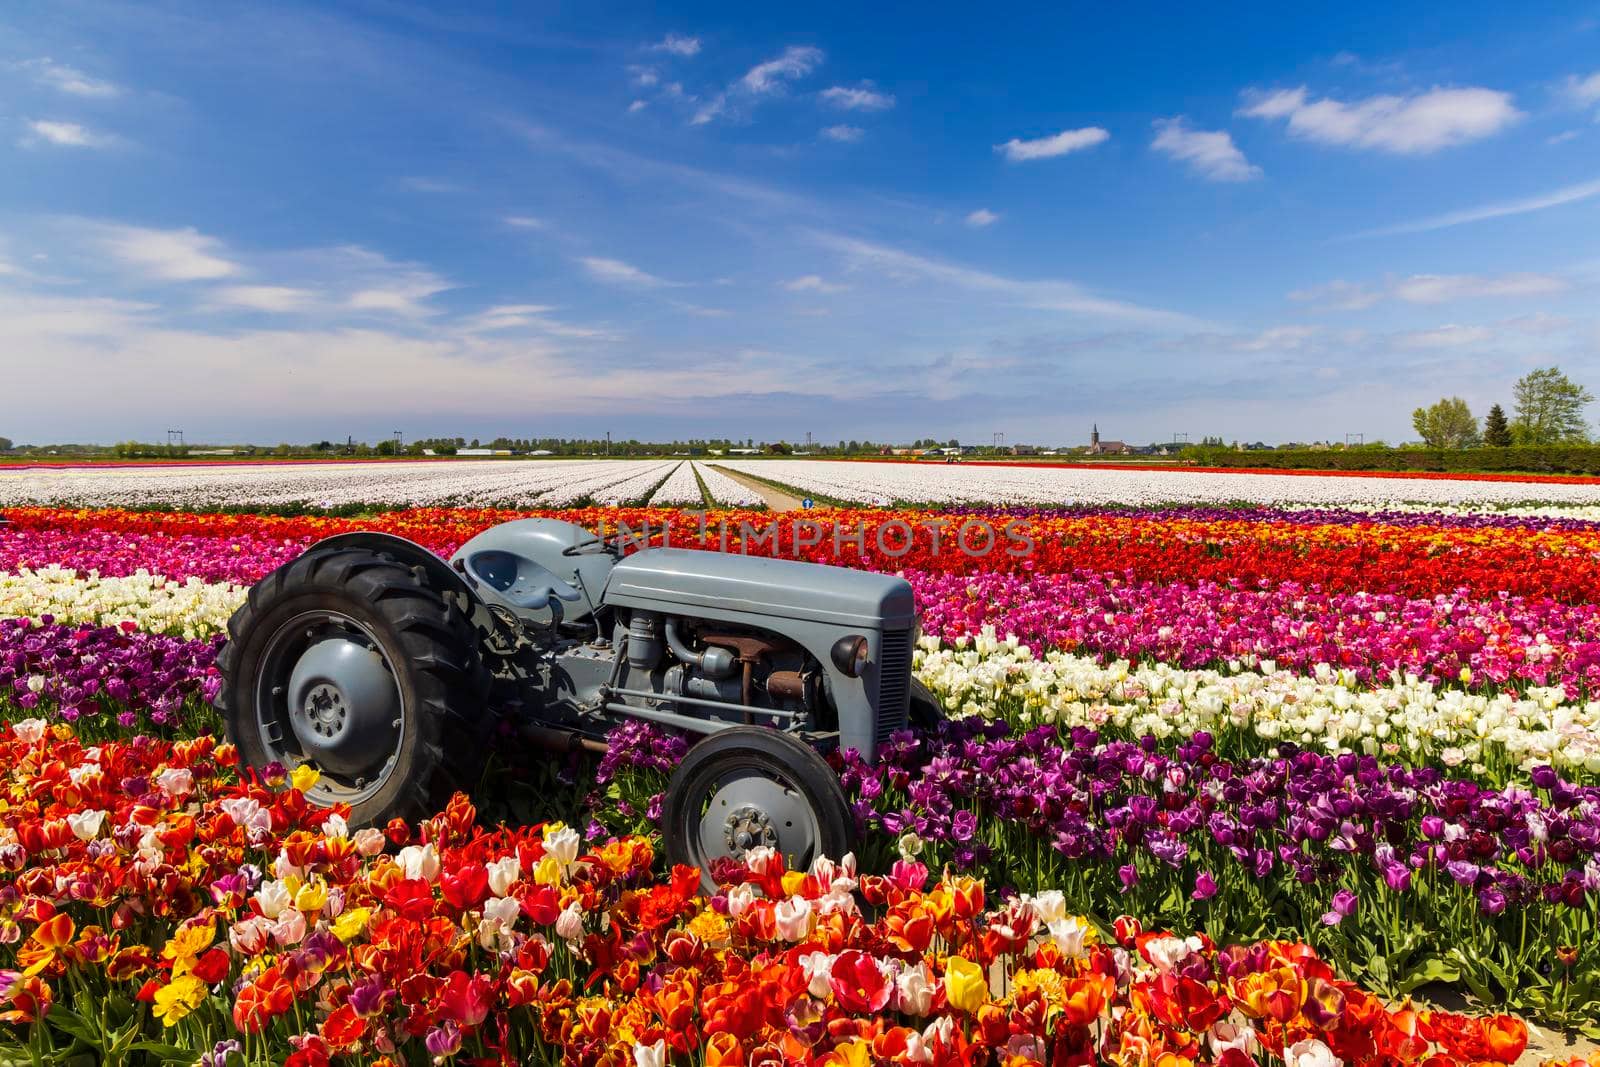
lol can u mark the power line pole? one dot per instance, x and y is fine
(608, 443)
(397, 442)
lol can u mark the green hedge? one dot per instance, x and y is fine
(1548, 459)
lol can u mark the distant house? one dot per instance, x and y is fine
(1023, 450)
(483, 451)
(1098, 447)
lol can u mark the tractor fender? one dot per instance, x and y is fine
(441, 578)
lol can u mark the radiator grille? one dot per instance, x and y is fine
(894, 682)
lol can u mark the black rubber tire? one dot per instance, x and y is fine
(431, 648)
(926, 712)
(762, 748)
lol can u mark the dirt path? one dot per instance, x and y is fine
(776, 499)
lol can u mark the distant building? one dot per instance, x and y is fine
(1098, 447)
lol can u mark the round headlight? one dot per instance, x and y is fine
(850, 654)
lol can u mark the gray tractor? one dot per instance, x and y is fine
(377, 662)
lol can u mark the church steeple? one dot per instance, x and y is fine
(1094, 435)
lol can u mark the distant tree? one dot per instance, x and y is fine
(385, 447)
(1496, 430)
(1447, 424)
(1549, 408)
(5, 444)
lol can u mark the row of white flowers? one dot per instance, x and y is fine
(511, 483)
(679, 490)
(885, 484)
(1327, 709)
(190, 609)
(724, 490)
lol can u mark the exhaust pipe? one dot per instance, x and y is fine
(560, 741)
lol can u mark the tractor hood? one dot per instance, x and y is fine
(682, 580)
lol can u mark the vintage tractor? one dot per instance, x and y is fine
(388, 669)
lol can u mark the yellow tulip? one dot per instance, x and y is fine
(177, 999)
(350, 924)
(966, 987)
(304, 777)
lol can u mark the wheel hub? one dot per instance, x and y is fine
(344, 707)
(753, 811)
(749, 827)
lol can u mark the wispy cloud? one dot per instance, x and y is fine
(864, 97)
(796, 62)
(64, 135)
(1210, 153)
(701, 312)
(1019, 151)
(381, 285)
(981, 218)
(184, 255)
(1431, 289)
(616, 272)
(1447, 336)
(1045, 295)
(677, 44)
(278, 299)
(1403, 125)
(523, 222)
(533, 318)
(813, 283)
(1569, 194)
(763, 79)
(1582, 91)
(846, 134)
(67, 79)
(418, 184)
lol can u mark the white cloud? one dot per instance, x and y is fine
(430, 185)
(65, 135)
(847, 134)
(1442, 288)
(1337, 296)
(69, 80)
(1449, 336)
(1404, 125)
(379, 284)
(279, 299)
(523, 222)
(982, 217)
(644, 77)
(1210, 153)
(637, 106)
(184, 255)
(1019, 151)
(702, 312)
(1430, 289)
(1276, 339)
(813, 283)
(796, 62)
(1046, 295)
(862, 98)
(532, 318)
(616, 272)
(1568, 195)
(677, 44)
(1582, 92)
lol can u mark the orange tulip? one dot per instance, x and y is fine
(723, 1050)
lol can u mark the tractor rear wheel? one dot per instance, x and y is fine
(346, 660)
(749, 787)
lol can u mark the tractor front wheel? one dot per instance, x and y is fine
(346, 660)
(751, 787)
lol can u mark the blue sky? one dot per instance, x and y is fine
(892, 221)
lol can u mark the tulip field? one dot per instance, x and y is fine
(1238, 769)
